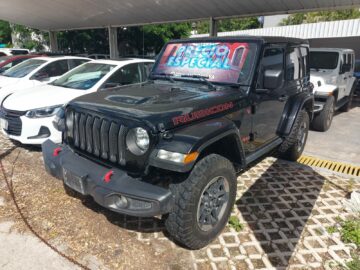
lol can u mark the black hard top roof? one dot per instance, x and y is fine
(263, 39)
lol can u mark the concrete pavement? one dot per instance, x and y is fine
(24, 251)
(341, 142)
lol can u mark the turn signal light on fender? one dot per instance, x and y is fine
(191, 157)
(57, 151)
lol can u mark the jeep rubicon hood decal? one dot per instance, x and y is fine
(157, 103)
(189, 117)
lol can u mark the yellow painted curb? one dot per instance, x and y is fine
(330, 165)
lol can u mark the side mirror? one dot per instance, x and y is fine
(345, 68)
(273, 79)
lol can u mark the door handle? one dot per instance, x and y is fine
(283, 98)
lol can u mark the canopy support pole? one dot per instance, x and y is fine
(53, 41)
(113, 43)
(213, 27)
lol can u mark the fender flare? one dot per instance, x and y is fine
(292, 108)
(196, 138)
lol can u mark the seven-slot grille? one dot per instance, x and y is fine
(98, 136)
(14, 121)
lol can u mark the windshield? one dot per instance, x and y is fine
(218, 62)
(24, 68)
(324, 60)
(84, 77)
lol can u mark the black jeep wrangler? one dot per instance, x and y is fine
(172, 146)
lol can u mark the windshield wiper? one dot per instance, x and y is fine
(203, 79)
(166, 76)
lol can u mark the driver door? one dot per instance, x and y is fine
(268, 104)
(343, 76)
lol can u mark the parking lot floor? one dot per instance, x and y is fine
(284, 210)
(342, 141)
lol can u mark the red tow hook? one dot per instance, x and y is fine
(57, 151)
(108, 176)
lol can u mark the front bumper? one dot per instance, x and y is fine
(122, 194)
(31, 131)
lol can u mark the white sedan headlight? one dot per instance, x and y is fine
(43, 112)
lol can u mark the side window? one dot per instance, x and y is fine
(73, 63)
(147, 69)
(55, 69)
(273, 59)
(350, 59)
(18, 61)
(7, 66)
(293, 67)
(128, 74)
(305, 60)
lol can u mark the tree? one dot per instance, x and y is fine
(149, 39)
(29, 38)
(229, 25)
(84, 41)
(321, 16)
(5, 32)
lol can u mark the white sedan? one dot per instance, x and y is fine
(27, 116)
(36, 71)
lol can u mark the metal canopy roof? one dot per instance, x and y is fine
(81, 14)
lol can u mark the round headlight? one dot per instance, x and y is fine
(138, 141)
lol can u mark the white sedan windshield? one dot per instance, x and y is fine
(85, 76)
(24, 68)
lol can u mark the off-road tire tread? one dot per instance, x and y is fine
(178, 222)
(319, 121)
(288, 150)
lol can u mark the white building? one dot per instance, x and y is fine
(338, 34)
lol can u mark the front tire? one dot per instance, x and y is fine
(203, 202)
(323, 120)
(293, 146)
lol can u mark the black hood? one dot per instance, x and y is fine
(161, 105)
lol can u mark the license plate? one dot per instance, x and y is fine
(3, 124)
(74, 181)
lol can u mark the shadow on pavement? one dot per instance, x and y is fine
(278, 205)
(142, 225)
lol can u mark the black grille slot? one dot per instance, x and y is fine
(82, 131)
(113, 141)
(14, 121)
(76, 129)
(121, 145)
(88, 132)
(104, 139)
(96, 136)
